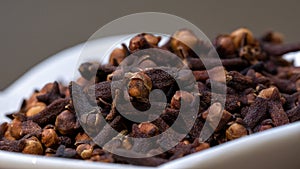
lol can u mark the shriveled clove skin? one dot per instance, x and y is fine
(160, 79)
(52, 95)
(99, 91)
(256, 112)
(19, 129)
(280, 49)
(144, 129)
(48, 115)
(12, 146)
(169, 115)
(66, 122)
(237, 81)
(283, 85)
(277, 113)
(65, 140)
(229, 64)
(262, 93)
(64, 152)
(294, 114)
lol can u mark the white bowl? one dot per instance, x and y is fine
(274, 148)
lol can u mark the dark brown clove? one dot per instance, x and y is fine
(261, 93)
(64, 152)
(277, 113)
(256, 112)
(52, 95)
(12, 146)
(294, 114)
(19, 129)
(48, 115)
(229, 64)
(100, 91)
(237, 81)
(66, 122)
(280, 49)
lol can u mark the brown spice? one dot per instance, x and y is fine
(262, 93)
(236, 131)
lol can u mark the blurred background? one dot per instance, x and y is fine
(32, 30)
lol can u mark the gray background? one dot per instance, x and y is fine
(33, 30)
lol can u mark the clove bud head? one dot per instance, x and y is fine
(33, 146)
(239, 35)
(49, 137)
(139, 85)
(235, 131)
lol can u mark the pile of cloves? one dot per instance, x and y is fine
(262, 92)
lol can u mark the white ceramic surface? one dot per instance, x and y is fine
(275, 148)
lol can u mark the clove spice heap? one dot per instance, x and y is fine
(262, 92)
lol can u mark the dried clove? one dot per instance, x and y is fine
(33, 146)
(12, 145)
(48, 115)
(66, 122)
(49, 137)
(256, 112)
(236, 131)
(277, 113)
(280, 49)
(19, 129)
(294, 114)
(52, 95)
(99, 110)
(64, 152)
